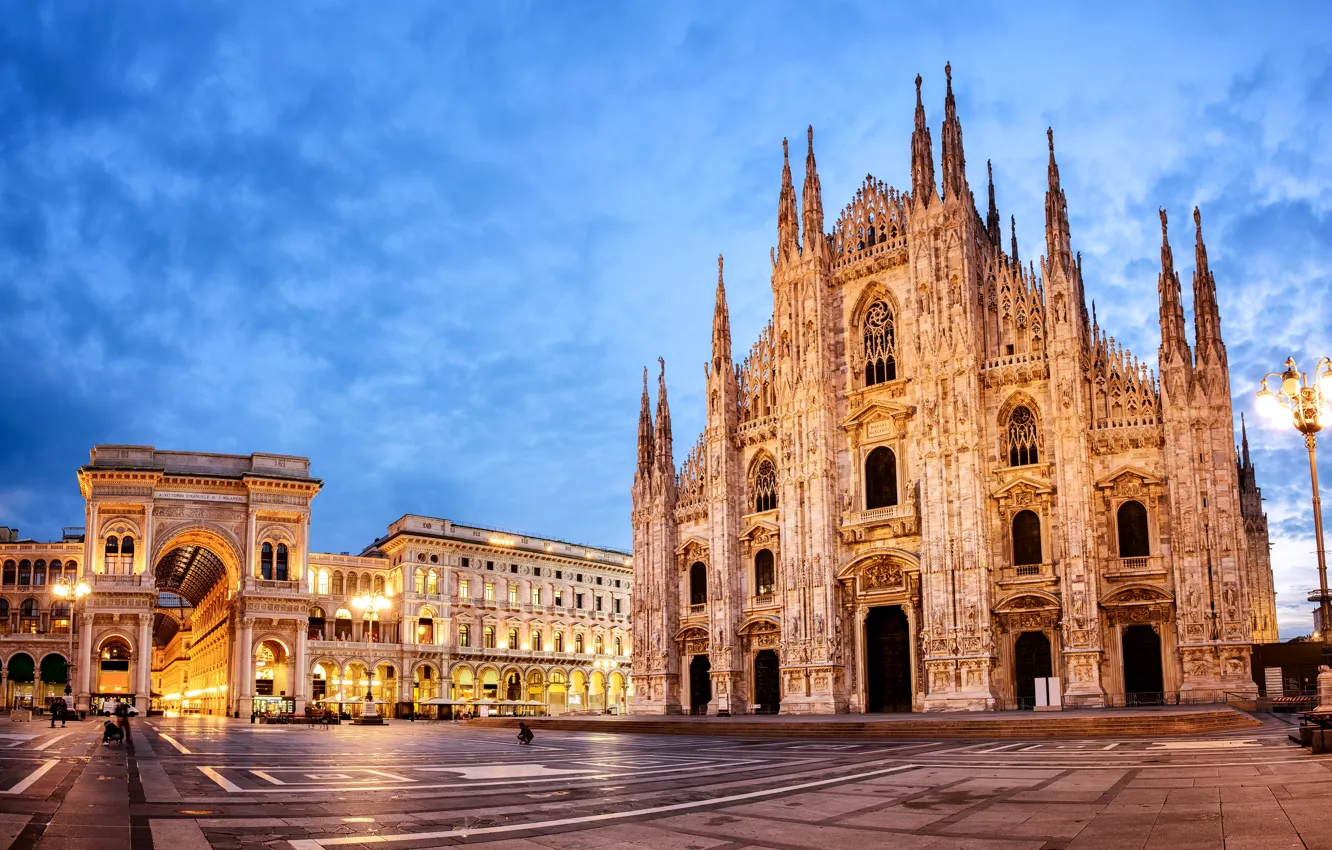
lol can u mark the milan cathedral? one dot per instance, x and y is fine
(935, 483)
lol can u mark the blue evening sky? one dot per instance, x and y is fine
(431, 246)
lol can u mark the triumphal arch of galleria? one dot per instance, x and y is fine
(203, 597)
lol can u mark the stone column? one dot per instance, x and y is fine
(148, 538)
(245, 666)
(92, 549)
(1324, 688)
(861, 666)
(143, 671)
(84, 666)
(299, 676)
(248, 564)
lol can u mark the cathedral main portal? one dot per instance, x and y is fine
(887, 659)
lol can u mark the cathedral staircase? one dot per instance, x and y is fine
(1091, 723)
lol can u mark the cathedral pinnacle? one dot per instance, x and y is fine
(1058, 243)
(1206, 315)
(788, 225)
(992, 217)
(922, 155)
(645, 448)
(662, 439)
(1012, 221)
(1173, 341)
(812, 194)
(721, 326)
(954, 161)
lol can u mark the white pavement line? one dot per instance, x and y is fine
(32, 777)
(1000, 748)
(1032, 747)
(1110, 746)
(263, 774)
(316, 844)
(173, 742)
(43, 746)
(227, 784)
(392, 776)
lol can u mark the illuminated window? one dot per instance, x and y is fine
(266, 561)
(432, 582)
(323, 581)
(464, 636)
(536, 596)
(536, 641)
(489, 637)
(599, 645)
(513, 638)
(618, 647)
(513, 593)
(490, 591)
(578, 643)
(559, 598)
(420, 581)
(559, 641)
(464, 589)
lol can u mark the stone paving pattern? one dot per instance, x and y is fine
(457, 784)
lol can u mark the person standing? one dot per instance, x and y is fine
(122, 719)
(58, 713)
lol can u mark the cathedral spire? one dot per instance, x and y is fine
(788, 224)
(954, 161)
(1173, 340)
(1012, 221)
(922, 155)
(812, 195)
(721, 326)
(1206, 315)
(662, 439)
(1244, 444)
(645, 448)
(1058, 244)
(992, 225)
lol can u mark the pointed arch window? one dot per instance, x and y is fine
(1026, 539)
(880, 479)
(1132, 526)
(765, 486)
(280, 571)
(880, 344)
(1021, 437)
(266, 561)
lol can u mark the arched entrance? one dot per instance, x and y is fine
(272, 679)
(194, 571)
(557, 694)
(20, 671)
(1031, 661)
(887, 660)
(113, 671)
(1143, 679)
(700, 684)
(767, 682)
(55, 676)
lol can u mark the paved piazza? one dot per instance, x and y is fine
(193, 783)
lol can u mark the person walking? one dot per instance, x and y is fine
(122, 719)
(58, 713)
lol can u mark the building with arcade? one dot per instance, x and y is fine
(192, 589)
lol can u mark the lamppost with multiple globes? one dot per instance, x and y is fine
(370, 605)
(1309, 406)
(67, 589)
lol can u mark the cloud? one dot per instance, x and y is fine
(431, 247)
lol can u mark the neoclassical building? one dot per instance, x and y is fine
(934, 479)
(204, 597)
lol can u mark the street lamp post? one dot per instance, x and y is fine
(370, 606)
(1309, 406)
(66, 589)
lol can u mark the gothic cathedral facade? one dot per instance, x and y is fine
(934, 481)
